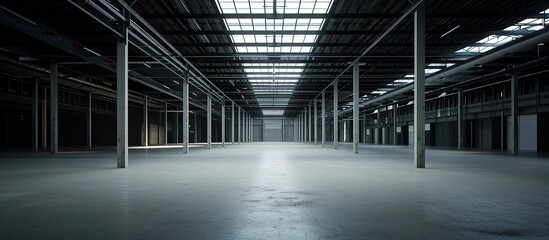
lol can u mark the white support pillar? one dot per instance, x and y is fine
(395, 124)
(305, 125)
(166, 123)
(514, 138)
(35, 117)
(223, 122)
(251, 128)
(419, 86)
(89, 122)
(356, 120)
(185, 117)
(45, 119)
(209, 120)
(460, 125)
(336, 113)
(298, 125)
(379, 131)
(310, 123)
(122, 99)
(176, 134)
(239, 125)
(54, 110)
(146, 120)
(323, 133)
(302, 127)
(315, 121)
(233, 123)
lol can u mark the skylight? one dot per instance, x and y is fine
(515, 31)
(273, 78)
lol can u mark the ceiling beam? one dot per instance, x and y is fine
(460, 15)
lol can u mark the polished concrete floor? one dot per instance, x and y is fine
(274, 191)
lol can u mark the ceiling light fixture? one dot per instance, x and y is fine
(451, 30)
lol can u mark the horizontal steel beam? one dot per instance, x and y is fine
(330, 32)
(325, 44)
(460, 15)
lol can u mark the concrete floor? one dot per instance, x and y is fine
(274, 191)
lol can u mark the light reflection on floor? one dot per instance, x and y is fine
(274, 207)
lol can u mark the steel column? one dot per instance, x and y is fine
(395, 124)
(232, 122)
(54, 110)
(310, 123)
(35, 117)
(45, 119)
(379, 132)
(146, 120)
(419, 86)
(89, 122)
(223, 122)
(239, 125)
(185, 118)
(209, 120)
(315, 121)
(514, 138)
(323, 133)
(122, 99)
(165, 123)
(336, 113)
(356, 121)
(460, 125)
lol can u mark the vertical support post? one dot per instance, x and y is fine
(310, 123)
(298, 125)
(45, 119)
(239, 125)
(323, 132)
(460, 132)
(89, 122)
(166, 123)
(356, 120)
(502, 130)
(223, 122)
(336, 113)
(395, 124)
(419, 86)
(122, 97)
(35, 117)
(304, 124)
(315, 121)
(209, 120)
(54, 110)
(379, 132)
(232, 122)
(514, 144)
(146, 120)
(185, 118)
(250, 125)
(176, 134)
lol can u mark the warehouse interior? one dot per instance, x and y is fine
(274, 119)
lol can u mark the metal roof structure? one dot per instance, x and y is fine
(271, 57)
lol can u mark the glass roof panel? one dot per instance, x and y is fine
(485, 44)
(279, 81)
